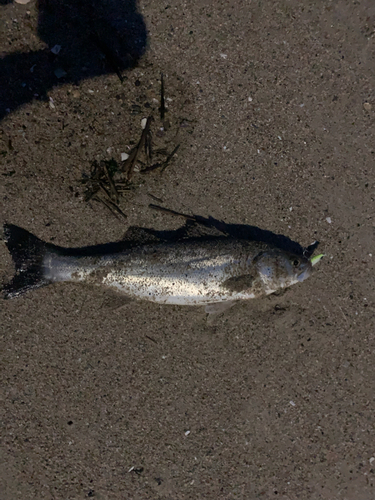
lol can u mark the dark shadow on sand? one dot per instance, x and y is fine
(196, 228)
(96, 37)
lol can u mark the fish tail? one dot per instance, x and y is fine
(27, 252)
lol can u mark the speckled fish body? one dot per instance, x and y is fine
(188, 272)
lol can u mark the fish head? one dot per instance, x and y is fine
(278, 269)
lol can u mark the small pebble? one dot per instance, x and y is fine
(250, 99)
(367, 106)
(51, 103)
(22, 2)
(56, 49)
(90, 91)
(371, 460)
(329, 220)
(143, 123)
(187, 433)
(124, 156)
(292, 403)
(224, 56)
(60, 73)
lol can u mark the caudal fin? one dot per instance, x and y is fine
(27, 252)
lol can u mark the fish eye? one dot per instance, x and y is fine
(295, 262)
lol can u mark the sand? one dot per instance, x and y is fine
(273, 105)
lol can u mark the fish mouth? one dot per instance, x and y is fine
(304, 274)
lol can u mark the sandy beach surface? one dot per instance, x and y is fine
(272, 105)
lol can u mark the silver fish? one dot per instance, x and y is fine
(203, 271)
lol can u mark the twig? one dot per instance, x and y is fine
(210, 222)
(151, 168)
(162, 151)
(162, 99)
(155, 198)
(166, 163)
(148, 146)
(150, 338)
(90, 194)
(129, 164)
(111, 184)
(171, 212)
(111, 206)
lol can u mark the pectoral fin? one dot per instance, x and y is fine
(219, 307)
(239, 283)
(213, 310)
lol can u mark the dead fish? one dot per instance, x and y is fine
(214, 272)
